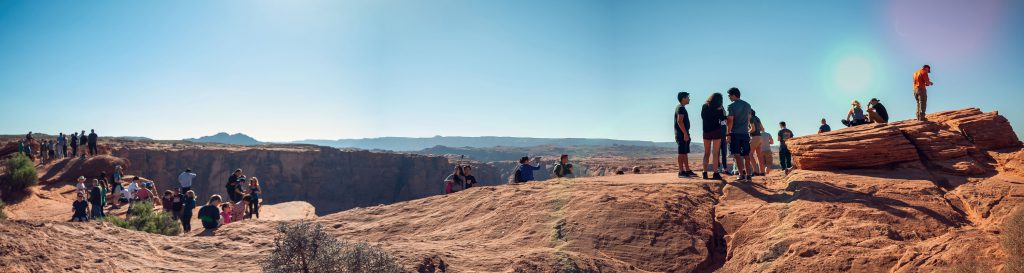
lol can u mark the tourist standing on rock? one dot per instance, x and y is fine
(524, 172)
(83, 140)
(712, 114)
(185, 180)
(79, 207)
(74, 144)
(92, 142)
(756, 128)
(921, 84)
(96, 199)
(470, 180)
(877, 112)
(80, 185)
(254, 196)
(562, 169)
(739, 134)
(233, 187)
(824, 128)
(188, 203)
(209, 214)
(766, 153)
(51, 149)
(167, 203)
(453, 179)
(857, 115)
(785, 158)
(62, 145)
(681, 125)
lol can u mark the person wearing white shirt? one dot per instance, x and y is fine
(185, 179)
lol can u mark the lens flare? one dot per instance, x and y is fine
(853, 74)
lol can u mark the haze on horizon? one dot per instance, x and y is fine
(281, 71)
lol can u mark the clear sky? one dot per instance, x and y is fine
(289, 70)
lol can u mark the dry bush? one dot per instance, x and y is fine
(305, 248)
(1013, 242)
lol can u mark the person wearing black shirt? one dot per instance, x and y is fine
(468, 178)
(712, 114)
(210, 213)
(233, 188)
(785, 158)
(563, 168)
(188, 203)
(79, 207)
(877, 112)
(681, 123)
(92, 142)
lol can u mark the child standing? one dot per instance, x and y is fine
(254, 197)
(80, 207)
(188, 203)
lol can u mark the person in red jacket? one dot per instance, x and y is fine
(921, 83)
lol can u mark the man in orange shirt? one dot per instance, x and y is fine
(921, 83)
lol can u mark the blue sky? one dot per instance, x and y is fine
(289, 70)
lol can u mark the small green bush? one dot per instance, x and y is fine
(142, 217)
(305, 247)
(23, 174)
(2, 215)
(1013, 241)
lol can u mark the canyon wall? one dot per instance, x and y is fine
(330, 179)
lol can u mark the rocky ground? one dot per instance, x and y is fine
(863, 210)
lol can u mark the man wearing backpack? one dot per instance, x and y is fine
(563, 168)
(524, 172)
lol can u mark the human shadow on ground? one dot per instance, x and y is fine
(821, 192)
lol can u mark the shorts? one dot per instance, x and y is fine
(683, 146)
(713, 135)
(739, 144)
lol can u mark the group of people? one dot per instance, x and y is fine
(57, 148)
(100, 194)
(243, 203)
(737, 127)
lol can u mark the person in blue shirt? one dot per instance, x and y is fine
(188, 204)
(526, 169)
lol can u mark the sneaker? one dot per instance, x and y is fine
(739, 179)
(690, 173)
(682, 175)
(705, 174)
(717, 176)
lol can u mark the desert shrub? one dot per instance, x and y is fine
(1013, 241)
(304, 247)
(23, 174)
(969, 265)
(142, 217)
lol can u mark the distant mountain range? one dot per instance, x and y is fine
(225, 138)
(416, 144)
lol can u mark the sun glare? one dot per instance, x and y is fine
(853, 74)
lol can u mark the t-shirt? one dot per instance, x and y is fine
(858, 114)
(784, 134)
(470, 181)
(739, 110)
(756, 126)
(921, 79)
(185, 179)
(80, 207)
(126, 194)
(824, 128)
(144, 194)
(764, 143)
(188, 204)
(711, 119)
(209, 215)
(880, 109)
(562, 170)
(225, 217)
(681, 111)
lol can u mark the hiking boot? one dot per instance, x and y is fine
(705, 174)
(717, 176)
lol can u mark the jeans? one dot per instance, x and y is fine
(785, 158)
(922, 102)
(723, 147)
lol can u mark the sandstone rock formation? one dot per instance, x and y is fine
(951, 141)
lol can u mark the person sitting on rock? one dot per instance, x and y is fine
(453, 179)
(857, 115)
(467, 176)
(525, 169)
(824, 128)
(877, 112)
(79, 208)
(563, 168)
(209, 214)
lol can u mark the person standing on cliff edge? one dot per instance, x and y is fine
(92, 142)
(681, 126)
(738, 121)
(921, 84)
(185, 180)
